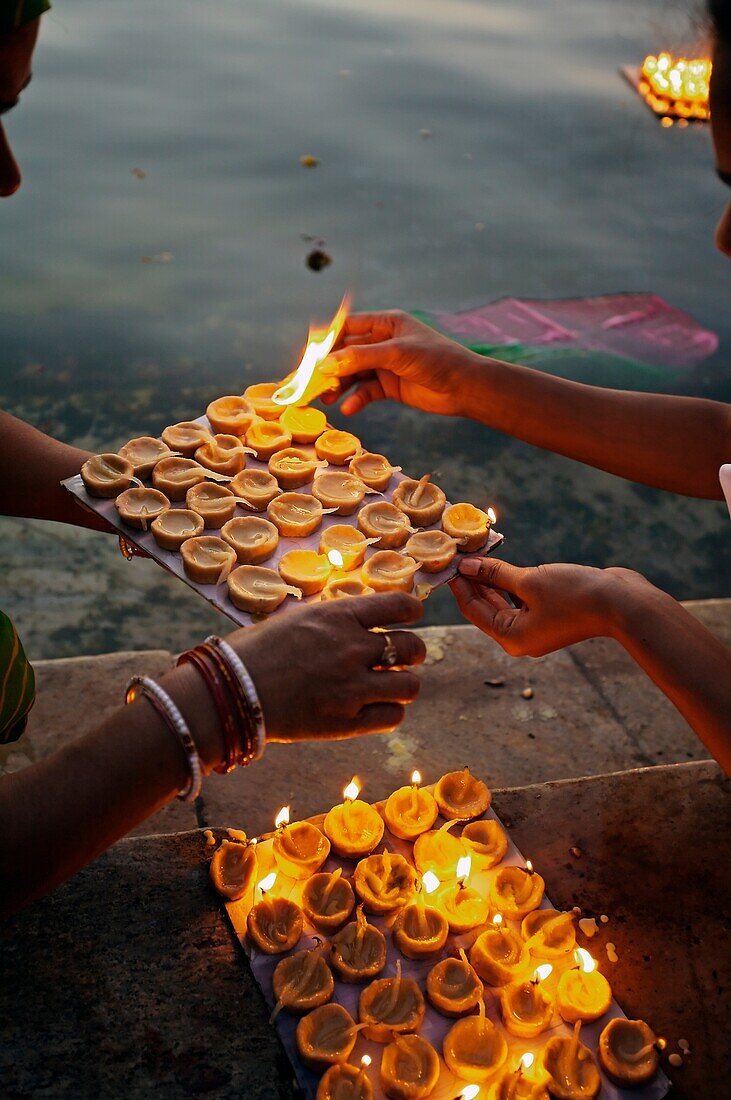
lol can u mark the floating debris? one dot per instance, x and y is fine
(496, 683)
(158, 258)
(527, 693)
(425, 134)
(318, 258)
(138, 173)
(308, 161)
(345, 72)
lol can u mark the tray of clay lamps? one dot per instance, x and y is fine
(256, 505)
(407, 949)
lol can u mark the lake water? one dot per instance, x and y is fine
(533, 136)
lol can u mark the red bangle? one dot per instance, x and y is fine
(226, 717)
(247, 721)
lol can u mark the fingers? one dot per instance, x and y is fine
(354, 359)
(384, 608)
(382, 324)
(364, 394)
(410, 649)
(379, 718)
(485, 609)
(392, 687)
(495, 573)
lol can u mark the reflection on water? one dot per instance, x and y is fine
(467, 150)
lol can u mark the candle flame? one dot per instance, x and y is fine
(320, 343)
(491, 515)
(584, 960)
(529, 867)
(430, 882)
(469, 1092)
(542, 972)
(352, 790)
(464, 866)
(336, 558)
(366, 1060)
(268, 881)
(282, 817)
(527, 1060)
(416, 778)
(497, 920)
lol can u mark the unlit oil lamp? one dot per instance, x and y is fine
(299, 849)
(464, 907)
(230, 415)
(571, 1072)
(460, 795)
(259, 397)
(374, 470)
(340, 586)
(422, 501)
(527, 1006)
(292, 467)
(214, 503)
(387, 571)
(410, 811)
(516, 891)
(473, 1048)
(326, 1036)
(583, 993)
(224, 454)
(499, 955)
(384, 882)
(186, 437)
(347, 542)
(139, 507)
(302, 981)
(266, 437)
(409, 1068)
(305, 425)
(470, 526)
(107, 475)
(358, 951)
(420, 930)
(174, 476)
(274, 924)
(255, 488)
(172, 528)
(258, 590)
(439, 851)
(337, 447)
(453, 986)
(520, 1084)
(306, 570)
(346, 1082)
(486, 842)
(353, 827)
(629, 1052)
(254, 539)
(207, 559)
(391, 1006)
(384, 523)
(433, 550)
(143, 452)
(328, 900)
(340, 491)
(548, 933)
(233, 869)
(295, 515)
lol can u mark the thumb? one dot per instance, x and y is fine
(494, 573)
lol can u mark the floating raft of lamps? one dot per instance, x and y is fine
(675, 88)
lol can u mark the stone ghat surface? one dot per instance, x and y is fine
(127, 983)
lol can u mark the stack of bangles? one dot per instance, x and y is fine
(237, 705)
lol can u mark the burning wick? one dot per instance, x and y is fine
(282, 818)
(529, 867)
(464, 866)
(319, 345)
(497, 920)
(335, 558)
(491, 516)
(541, 973)
(267, 882)
(415, 778)
(469, 1092)
(526, 1061)
(365, 1061)
(430, 882)
(352, 790)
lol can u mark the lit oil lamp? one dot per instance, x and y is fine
(223, 453)
(347, 543)
(260, 397)
(384, 523)
(676, 85)
(629, 1052)
(583, 993)
(464, 907)
(527, 1006)
(326, 1036)
(307, 382)
(439, 851)
(521, 1083)
(266, 437)
(460, 795)
(143, 452)
(233, 869)
(470, 526)
(516, 891)
(207, 559)
(374, 470)
(139, 507)
(254, 539)
(302, 982)
(453, 986)
(230, 415)
(274, 924)
(473, 1048)
(299, 849)
(305, 425)
(255, 488)
(434, 550)
(174, 476)
(171, 529)
(422, 501)
(548, 933)
(337, 447)
(499, 955)
(571, 1071)
(358, 951)
(486, 842)
(346, 1082)
(388, 571)
(215, 504)
(328, 900)
(409, 1068)
(305, 569)
(410, 811)
(185, 437)
(258, 590)
(295, 515)
(107, 475)
(391, 1006)
(420, 930)
(384, 882)
(340, 491)
(353, 827)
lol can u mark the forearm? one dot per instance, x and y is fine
(674, 443)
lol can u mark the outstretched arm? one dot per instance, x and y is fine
(675, 443)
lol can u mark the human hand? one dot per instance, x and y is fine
(558, 604)
(391, 355)
(314, 668)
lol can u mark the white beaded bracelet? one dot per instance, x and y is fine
(173, 719)
(248, 687)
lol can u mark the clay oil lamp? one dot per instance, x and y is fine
(107, 475)
(486, 842)
(464, 907)
(583, 993)
(174, 476)
(231, 415)
(224, 454)
(499, 955)
(215, 504)
(527, 1006)
(233, 869)
(409, 1068)
(391, 1006)
(292, 467)
(255, 488)
(326, 1036)
(304, 425)
(420, 930)
(348, 543)
(358, 951)
(266, 437)
(254, 539)
(383, 521)
(274, 924)
(433, 550)
(143, 452)
(295, 515)
(410, 811)
(328, 900)
(306, 570)
(460, 795)
(259, 397)
(339, 491)
(453, 986)
(353, 827)
(629, 1052)
(470, 526)
(207, 559)
(516, 891)
(301, 982)
(139, 507)
(571, 1072)
(439, 851)
(384, 882)
(299, 849)
(346, 1082)
(342, 586)
(374, 470)
(473, 1048)
(422, 501)
(519, 1084)
(174, 527)
(258, 590)
(549, 934)
(337, 447)
(387, 571)
(186, 437)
